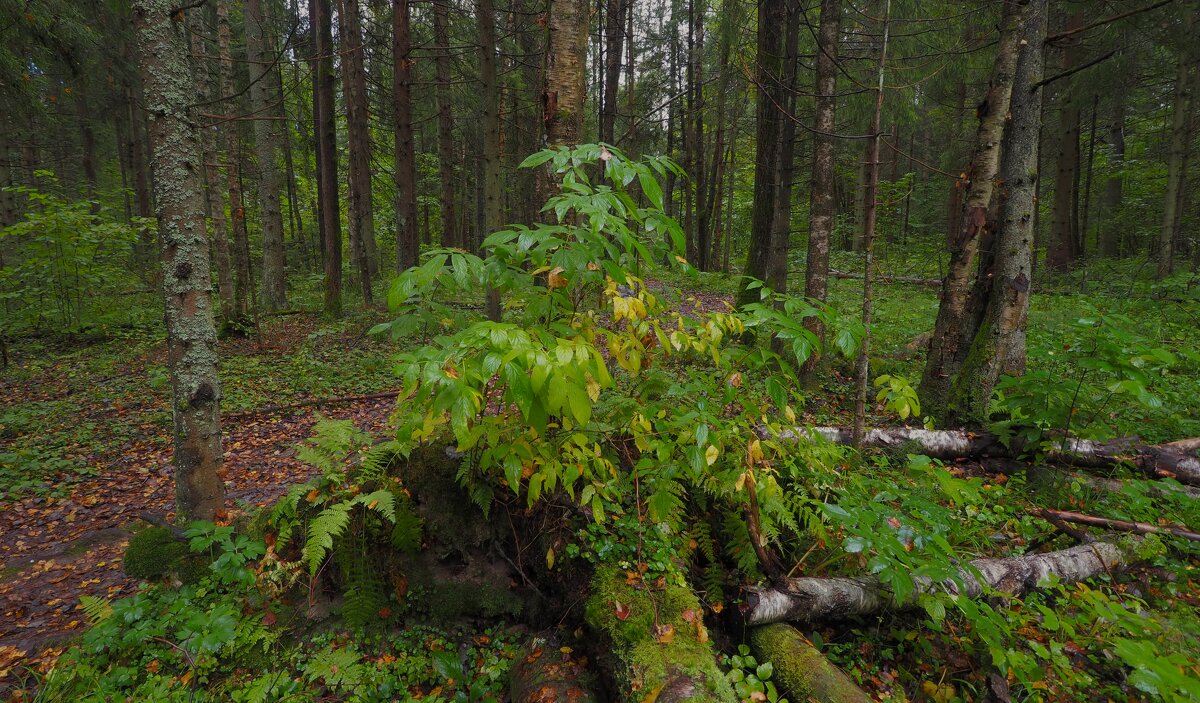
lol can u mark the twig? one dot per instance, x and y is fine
(1073, 71)
(1106, 20)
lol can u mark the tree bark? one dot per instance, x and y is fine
(361, 213)
(1063, 235)
(802, 672)
(492, 210)
(266, 105)
(1110, 232)
(233, 158)
(564, 92)
(408, 243)
(956, 321)
(781, 219)
(772, 20)
(1176, 153)
(445, 121)
(822, 206)
(999, 343)
(1154, 461)
(191, 335)
(614, 14)
(809, 599)
(324, 126)
(201, 67)
(870, 215)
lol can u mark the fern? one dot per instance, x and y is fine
(406, 534)
(377, 460)
(339, 668)
(382, 501)
(96, 609)
(327, 526)
(665, 503)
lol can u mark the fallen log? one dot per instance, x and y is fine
(1155, 461)
(545, 671)
(807, 599)
(801, 671)
(653, 641)
(1141, 528)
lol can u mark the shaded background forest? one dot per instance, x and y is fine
(675, 78)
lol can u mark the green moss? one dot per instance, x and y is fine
(449, 602)
(803, 672)
(156, 554)
(657, 636)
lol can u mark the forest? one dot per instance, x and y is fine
(599, 350)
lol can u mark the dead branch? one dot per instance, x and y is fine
(1141, 528)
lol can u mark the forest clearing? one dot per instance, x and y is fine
(634, 350)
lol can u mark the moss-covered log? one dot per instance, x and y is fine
(546, 672)
(1172, 460)
(806, 599)
(801, 671)
(656, 643)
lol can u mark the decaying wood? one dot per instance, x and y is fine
(545, 671)
(803, 673)
(1155, 461)
(1141, 528)
(807, 599)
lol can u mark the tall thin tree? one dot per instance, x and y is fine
(266, 106)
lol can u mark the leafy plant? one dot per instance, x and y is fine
(752, 680)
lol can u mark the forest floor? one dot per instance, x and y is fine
(85, 431)
(103, 457)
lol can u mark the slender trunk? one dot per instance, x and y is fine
(781, 220)
(408, 243)
(703, 220)
(772, 21)
(822, 207)
(87, 137)
(630, 93)
(233, 179)
(1110, 233)
(1063, 239)
(999, 345)
(956, 322)
(492, 209)
(869, 219)
(202, 68)
(324, 127)
(860, 199)
(361, 216)
(445, 122)
(1085, 209)
(1176, 155)
(266, 105)
(191, 334)
(613, 36)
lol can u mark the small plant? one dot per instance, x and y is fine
(751, 680)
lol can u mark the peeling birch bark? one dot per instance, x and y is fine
(1155, 461)
(807, 599)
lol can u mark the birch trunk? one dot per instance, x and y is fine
(808, 599)
(956, 322)
(191, 336)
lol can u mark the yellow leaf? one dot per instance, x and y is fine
(666, 634)
(550, 558)
(593, 388)
(555, 279)
(789, 413)
(711, 454)
(653, 695)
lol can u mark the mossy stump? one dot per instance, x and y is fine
(657, 647)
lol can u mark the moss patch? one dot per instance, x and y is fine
(658, 638)
(155, 554)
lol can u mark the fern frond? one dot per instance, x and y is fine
(322, 531)
(382, 501)
(96, 609)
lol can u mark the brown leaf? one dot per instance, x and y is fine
(622, 611)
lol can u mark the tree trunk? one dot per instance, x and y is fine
(772, 21)
(696, 109)
(191, 335)
(1110, 233)
(781, 220)
(1176, 155)
(822, 207)
(801, 671)
(1063, 238)
(564, 92)
(445, 121)
(492, 190)
(361, 215)
(870, 215)
(1153, 461)
(956, 322)
(999, 344)
(809, 599)
(201, 67)
(266, 105)
(324, 126)
(1086, 208)
(613, 37)
(233, 179)
(408, 243)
